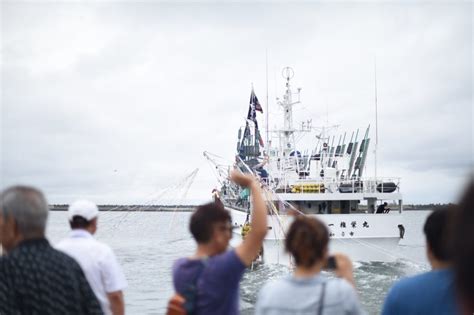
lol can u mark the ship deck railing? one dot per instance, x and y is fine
(363, 185)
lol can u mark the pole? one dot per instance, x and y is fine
(376, 119)
(266, 116)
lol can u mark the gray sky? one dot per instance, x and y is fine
(115, 101)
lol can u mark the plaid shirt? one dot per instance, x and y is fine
(37, 279)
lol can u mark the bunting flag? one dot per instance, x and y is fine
(246, 133)
(260, 139)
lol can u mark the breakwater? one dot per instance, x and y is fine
(147, 208)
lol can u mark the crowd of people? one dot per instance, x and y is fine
(81, 275)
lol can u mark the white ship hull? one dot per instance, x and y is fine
(373, 237)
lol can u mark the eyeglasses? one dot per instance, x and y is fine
(227, 227)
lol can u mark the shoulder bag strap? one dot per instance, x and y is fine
(321, 298)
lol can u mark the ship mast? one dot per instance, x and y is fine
(287, 105)
(376, 120)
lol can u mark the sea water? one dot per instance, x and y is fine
(147, 243)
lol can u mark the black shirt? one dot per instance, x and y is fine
(37, 279)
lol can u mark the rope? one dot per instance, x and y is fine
(387, 252)
(185, 182)
(190, 182)
(280, 222)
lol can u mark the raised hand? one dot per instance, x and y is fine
(242, 179)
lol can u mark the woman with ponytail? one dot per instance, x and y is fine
(307, 291)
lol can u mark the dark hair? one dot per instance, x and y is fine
(79, 222)
(437, 229)
(306, 240)
(463, 248)
(204, 218)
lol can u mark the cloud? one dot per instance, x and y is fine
(117, 100)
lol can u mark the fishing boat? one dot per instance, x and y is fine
(323, 176)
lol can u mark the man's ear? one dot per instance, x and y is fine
(14, 226)
(15, 230)
(94, 225)
(214, 232)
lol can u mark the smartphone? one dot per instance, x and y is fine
(331, 264)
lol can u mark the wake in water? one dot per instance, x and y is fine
(373, 280)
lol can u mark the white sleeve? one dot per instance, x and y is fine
(111, 272)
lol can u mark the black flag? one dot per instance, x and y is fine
(254, 102)
(252, 115)
(253, 107)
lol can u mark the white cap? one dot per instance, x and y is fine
(83, 208)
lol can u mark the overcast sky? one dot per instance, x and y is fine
(116, 101)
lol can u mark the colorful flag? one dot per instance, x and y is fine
(246, 134)
(260, 139)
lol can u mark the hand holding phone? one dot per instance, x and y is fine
(342, 266)
(331, 263)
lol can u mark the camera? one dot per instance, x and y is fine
(331, 263)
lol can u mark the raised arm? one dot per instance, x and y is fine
(250, 247)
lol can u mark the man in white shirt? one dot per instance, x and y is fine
(96, 259)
